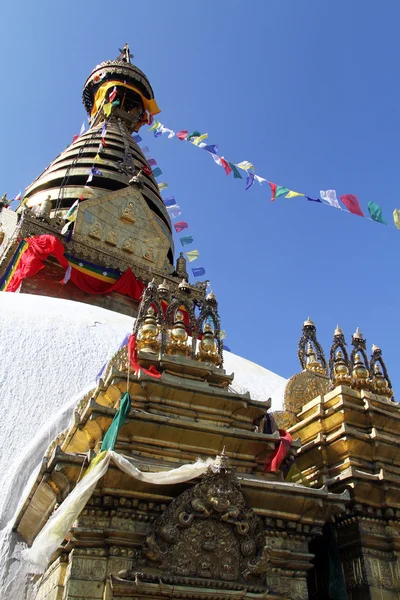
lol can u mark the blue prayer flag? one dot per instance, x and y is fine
(198, 271)
(186, 240)
(170, 201)
(313, 199)
(226, 348)
(249, 180)
(213, 148)
(157, 134)
(157, 172)
(137, 138)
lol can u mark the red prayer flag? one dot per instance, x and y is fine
(147, 170)
(75, 138)
(180, 226)
(226, 166)
(351, 202)
(182, 135)
(273, 187)
(113, 95)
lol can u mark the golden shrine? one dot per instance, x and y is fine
(202, 493)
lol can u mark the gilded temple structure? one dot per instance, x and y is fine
(168, 481)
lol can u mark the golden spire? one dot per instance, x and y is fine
(178, 336)
(208, 348)
(360, 373)
(380, 380)
(148, 333)
(312, 363)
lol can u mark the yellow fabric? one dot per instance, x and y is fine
(292, 194)
(107, 108)
(149, 105)
(96, 461)
(91, 273)
(396, 217)
(192, 255)
(162, 186)
(199, 139)
(98, 159)
(245, 165)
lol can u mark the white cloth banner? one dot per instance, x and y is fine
(330, 197)
(59, 524)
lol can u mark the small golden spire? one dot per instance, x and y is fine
(380, 381)
(358, 335)
(360, 373)
(312, 363)
(338, 331)
(178, 336)
(208, 347)
(341, 374)
(308, 323)
(163, 288)
(148, 333)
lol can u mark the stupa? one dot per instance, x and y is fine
(179, 472)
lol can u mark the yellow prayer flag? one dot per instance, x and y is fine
(196, 141)
(98, 159)
(292, 194)
(155, 125)
(107, 108)
(396, 217)
(245, 165)
(192, 255)
(162, 186)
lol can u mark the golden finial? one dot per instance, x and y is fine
(148, 333)
(380, 381)
(208, 347)
(375, 348)
(178, 336)
(163, 288)
(338, 331)
(312, 363)
(341, 374)
(358, 335)
(360, 373)
(184, 286)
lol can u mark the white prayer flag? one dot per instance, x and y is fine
(330, 197)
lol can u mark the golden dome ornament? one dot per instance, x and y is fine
(178, 337)
(208, 352)
(341, 373)
(360, 373)
(312, 363)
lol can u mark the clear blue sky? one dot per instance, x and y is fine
(306, 90)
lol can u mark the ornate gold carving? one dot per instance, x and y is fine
(112, 238)
(209, 532)
(129, 245)
(208, 348)
(128, 213)
(302, 388)
(178, 337)
(95, 231)
(148, 333)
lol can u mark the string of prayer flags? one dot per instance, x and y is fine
(235, 170)
(194, 254)
(103, 134)
(162, 186)
(192, 135)
(249, 180)
(157, 172)
(330, 197)
(277, 191)
(212, 148)
(180, 226)
(186, 240)
(375, 212)
(163, 129)
(293, 194)
(198, 272)
(396, 217)
(182, 135)
(351, 202)
(170, 201)
(71, 214)
(260, 180)
(245, 165)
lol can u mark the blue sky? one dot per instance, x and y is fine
(305, 90)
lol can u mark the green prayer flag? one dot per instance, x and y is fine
(376, 212)
(119, 419)
(236, 172)
(194, 134)
(280, 191)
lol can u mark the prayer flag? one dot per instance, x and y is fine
(98, 159)
(330, 197)
(396, 217)
(313, 199)
(225, 347)
(277, 191)
(147, 170)
(75, 137)
(104, 130)
(18, 196)
(119, 419)
(82, 128)
(245, 165)
(186, 240)
(182, 135)
(222, 334)
(249, 180)
(170, 201)
(162, 186)
(352, 203)
(107, 108)
(194, 255)
(113, 94)
(157, 133)
(217, 159)
(155, 125)
(71, 214)
(236, 172)
(376, 212)
(67, 275)
(199, 139)
(198, 272)
(163, 129)
(145, 150)
(136, 138)
(226, 166)
(152, 162)
(180, 226)
(194, 134)
(174, 211)
(157, 172)
(116, 102)
(66, 227)
(259, 179)
(292, 194)
(213, 148)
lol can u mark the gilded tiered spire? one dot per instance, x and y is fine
(379, 375)
(339, 366)
(359, 363)
(310, 352)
